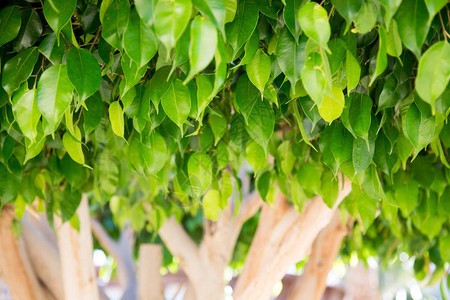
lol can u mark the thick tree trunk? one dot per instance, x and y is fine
(16, 272)
(283, 238)
(312, 283)
(78, 274)
(149, 277)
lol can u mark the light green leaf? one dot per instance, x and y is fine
(52, 51)
(73, 146)
(230, 10)
(353, 71)
(132, 72)
(170, 20)
(243, 25)
(10, 22)
(406, 196)
(258, 70)
(58, 13)
(214, 10)
(291, 56)
(27, 114)
(154, 152)
(434, 6)
(256, 157)
(54, 94)
(116, 118)
(114, 21)
(381, 61)
(362, 151)
(211, 204)
(332, 105)
(200, 172)
(218, 123)
(285, 157)
(366, 18)
(412, 20)
(389, 8)
(84, 72)
(204, 89)
(313, 20)
(314, 79)
(433, 73)
(221, 68)
(202, 46)
(393, 42)
(290, 16)
(261, 123)
(329, 188)
(158, 85)
(18, 69)
(176, 102)
(139, 41)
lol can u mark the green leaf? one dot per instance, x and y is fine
(58, 13)
(202, 46)
(366, 18)
(290, 16)
(116, 118)
(70, 201)
(285, 157)
(362, 151)
(94, 112)
(170, 20)
(145, 10)
(406, 196)
(139, 41)
(353, 71)
(154, 152)
(73, 146)
(419, 128)
(412, 20)
(52, 50)
(389, 8)
(338, 50)
(349, 9)
(243, 25)
(200, 172)
(30, 30)
(84, 72)
(434, 6)
(114, 21)
(261, 123)
(18, 69)
(433, 73)
(360, 114)
(309, 176)
(27, 114)
(381, 61)
(367, 209)
(10, 178)
(314, 79)
(54, 94)
(341, 143)
(176, 102)
(332, 105)
(218, 123)
(158, 85)
(214, 10)
(132, 72)
(221, 68)
(313, 20)
(256, 157)
(393, 42)
(10, 22)
(204, 89)
(258, 70)
(291, 56)
(246, 96)
(211, 204)
(371, 184)
(329, 188)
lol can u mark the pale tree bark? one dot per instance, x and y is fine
(78, 274)
(362, 283)
(312, 283)
(149, 277)
(204, 265)
(122, 252)
(16, 271)
(283, 237)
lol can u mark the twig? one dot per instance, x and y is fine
(97, 35)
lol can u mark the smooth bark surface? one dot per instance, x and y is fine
(150, 280)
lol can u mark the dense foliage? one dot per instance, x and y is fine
(153, 106)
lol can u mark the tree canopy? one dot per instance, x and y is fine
(152, 107)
